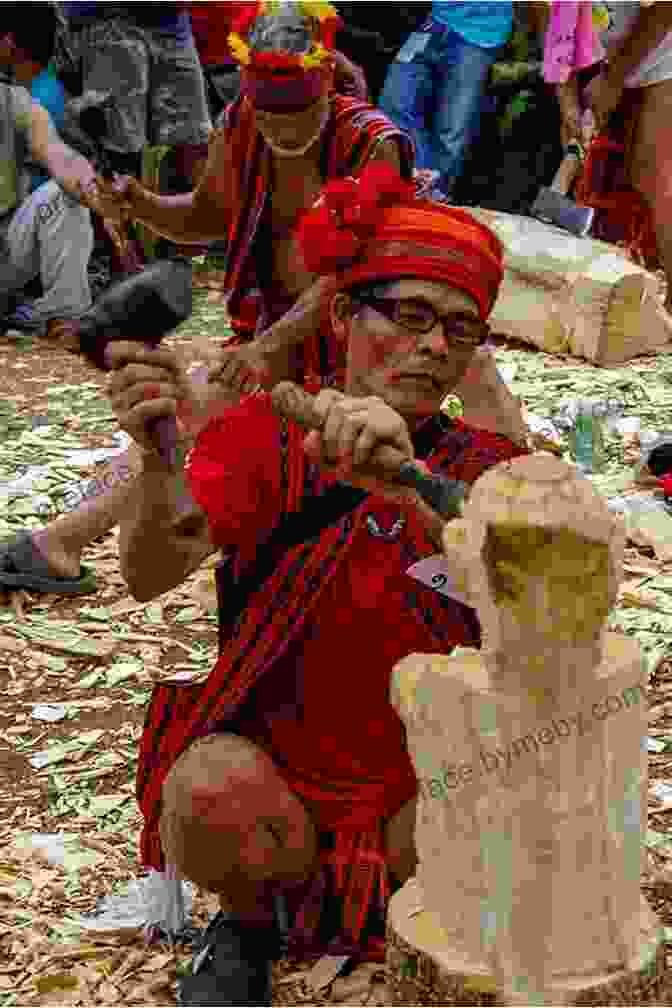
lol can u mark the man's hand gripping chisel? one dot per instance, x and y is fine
(443, 495)
(145, 307)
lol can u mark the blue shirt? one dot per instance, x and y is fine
(487, 25)
(48, 92)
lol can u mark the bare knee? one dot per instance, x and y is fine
(228, 815)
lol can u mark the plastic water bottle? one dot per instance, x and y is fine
(586, 437)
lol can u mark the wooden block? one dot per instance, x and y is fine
(529, 755)
(423, 971)
(530, 810)
(575, 296)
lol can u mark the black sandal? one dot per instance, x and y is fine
(23, 566)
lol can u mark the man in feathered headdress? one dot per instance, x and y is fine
(286, 135)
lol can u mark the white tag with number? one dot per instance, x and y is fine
(434, 572)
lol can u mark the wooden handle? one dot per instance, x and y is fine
(294, 404)
(567, 173)
(444, 495)
(164, 430)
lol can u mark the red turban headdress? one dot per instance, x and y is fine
(375, 228)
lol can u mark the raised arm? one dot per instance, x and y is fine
(199, 216)
(164, 536)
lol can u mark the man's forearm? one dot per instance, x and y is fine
(176, 217)
(649, 30)
(489, 403)
(160, 545)
(282, 343)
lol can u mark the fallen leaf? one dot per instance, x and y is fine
(325, 971)
(56, 982)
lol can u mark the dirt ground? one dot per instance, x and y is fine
(94, 659)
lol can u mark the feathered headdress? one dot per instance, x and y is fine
(277, 37)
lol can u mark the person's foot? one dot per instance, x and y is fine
(61, 562)
(25, 563)
(233, 964)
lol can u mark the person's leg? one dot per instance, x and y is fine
(407, 95)
(62, 541)
(462, 71)
(19, 259)
(179, 115)
(65, 236)
(115, 61)
(231, 825)
(651, 167)
(178, 106)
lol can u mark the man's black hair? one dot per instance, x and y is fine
(33, 27)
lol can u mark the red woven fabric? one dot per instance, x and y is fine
(283, 678)
(623, 216)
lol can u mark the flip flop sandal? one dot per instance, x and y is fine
(23, 566)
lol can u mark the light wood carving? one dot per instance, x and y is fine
(530, 760)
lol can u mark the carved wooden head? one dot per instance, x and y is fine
(538, 549)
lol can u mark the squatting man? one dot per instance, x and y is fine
(289, 774)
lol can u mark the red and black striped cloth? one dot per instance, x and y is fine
(353, 884)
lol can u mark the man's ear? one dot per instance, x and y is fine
(340, 314)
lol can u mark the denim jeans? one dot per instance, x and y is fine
(434, 91)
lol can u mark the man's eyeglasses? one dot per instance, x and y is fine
(459, 329)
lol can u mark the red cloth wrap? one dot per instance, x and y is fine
(279, 92)
(247, 468)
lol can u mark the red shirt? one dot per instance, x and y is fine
(322, 710)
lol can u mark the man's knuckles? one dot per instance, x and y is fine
(122, 353)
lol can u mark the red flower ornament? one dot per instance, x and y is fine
(333, 233)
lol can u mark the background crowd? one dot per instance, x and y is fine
(137, 89)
